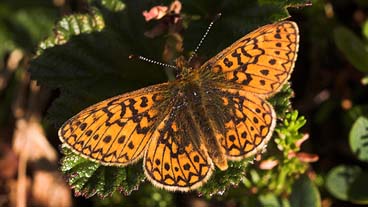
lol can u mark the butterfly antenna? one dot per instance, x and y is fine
(204, 36)
(152, 61)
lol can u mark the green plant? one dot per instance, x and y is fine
(354, 48)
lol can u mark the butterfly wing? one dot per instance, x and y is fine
(260, 62)
(250, 125)
(175, 159)
(250, 70)
(115, 131)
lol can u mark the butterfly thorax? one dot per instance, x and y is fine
(197, 104)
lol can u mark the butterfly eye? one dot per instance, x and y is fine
(178, 75)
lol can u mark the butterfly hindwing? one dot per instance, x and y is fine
(115, 131)
(260, 62)
(250, 126)
(173, 160)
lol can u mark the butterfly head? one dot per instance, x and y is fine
(183, 67)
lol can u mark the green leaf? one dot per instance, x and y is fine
(339, 180)
(352, 47)
(220, 181)
(348, 183)
(281, 101)
(113, 5)
(355, 112)
(358, 189)
(147, 196)
(365, 29)
(288, 132)
(359, 138)
(305, 193)
(270, 199)
(89, 178)
(73, 25)
(24, 27)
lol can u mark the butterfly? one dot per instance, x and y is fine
(184, 129)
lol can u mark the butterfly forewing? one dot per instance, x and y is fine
(116, 131)
(260, 62)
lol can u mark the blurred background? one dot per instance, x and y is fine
(59, 44)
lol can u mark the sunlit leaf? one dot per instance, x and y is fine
(365, 29)
(359, 138)
(113, 5)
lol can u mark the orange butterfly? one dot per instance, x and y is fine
(209, 115)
